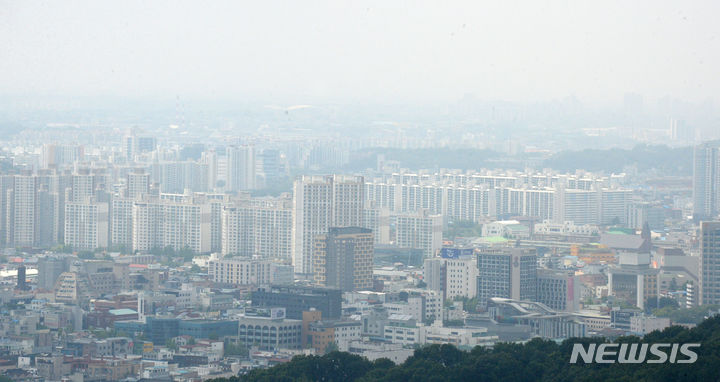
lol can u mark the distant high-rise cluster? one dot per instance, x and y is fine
(475, 196)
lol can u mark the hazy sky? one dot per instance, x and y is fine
(385, 50)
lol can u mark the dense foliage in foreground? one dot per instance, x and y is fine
(537, 360)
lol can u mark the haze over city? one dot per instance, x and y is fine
(365, 51)
(374, 191)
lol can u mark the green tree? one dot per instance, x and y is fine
(537, 360)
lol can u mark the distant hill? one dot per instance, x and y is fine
(667, 160)
(670, 161)
(537, 360)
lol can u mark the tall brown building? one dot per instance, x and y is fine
(343, 258)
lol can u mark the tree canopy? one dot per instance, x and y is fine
(536, 360)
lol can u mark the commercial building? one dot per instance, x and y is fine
(159, 329)
(453, 274)
(344, 258)
(322, 333)
(298, 299)
(560, 290)
(642, 324)
(632, 280)
(423, 306)
(269, 329)
(507, 273)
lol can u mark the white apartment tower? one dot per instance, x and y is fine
(420, 230)
(22, 212)
(240, 168)
(138, 183)
(261, 228)
(86, 225)
(706, 180)
(321, 202)
(121, 224)
(178, 224)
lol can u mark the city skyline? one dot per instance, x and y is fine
(341, 191)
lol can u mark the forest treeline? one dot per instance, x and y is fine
(536, 360)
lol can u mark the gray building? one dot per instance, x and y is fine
(507, 273)
(268, 329)
(558, 289)
(344, 258)
(297, 299)
(49, 269)
(710, 263)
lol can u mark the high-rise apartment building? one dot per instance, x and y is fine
(121, 224)
(475, 196)
(179, 224)
(258, 227)
(706, 180)
(7, 186)
(86, 225)
(134, 145)
(344, 258)
(240, 168)
(22, 211)
(178, 176)
(55, 155)
(576, 205)
(321, 202)
(378, 220)
(709, 263)
(419, 230)
(137, 183)
(83, 187)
